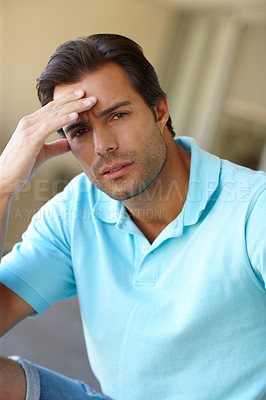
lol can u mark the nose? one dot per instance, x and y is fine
(104, 139)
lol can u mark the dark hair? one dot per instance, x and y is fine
(74, 59)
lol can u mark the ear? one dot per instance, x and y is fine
(162, 113)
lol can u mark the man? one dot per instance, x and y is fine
(164, 243)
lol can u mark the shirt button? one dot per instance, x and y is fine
(144, 249)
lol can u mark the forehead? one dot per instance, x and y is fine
(109, 82)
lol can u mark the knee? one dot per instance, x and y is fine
(13, 384)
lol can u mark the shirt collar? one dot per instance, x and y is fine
(203, 181)
(109, 210)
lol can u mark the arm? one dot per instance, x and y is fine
(12, 309)
(20, 160)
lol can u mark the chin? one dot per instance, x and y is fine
(126, 195)
(120, 196)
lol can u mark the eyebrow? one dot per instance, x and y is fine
(112, 108)
(102, 114)
(74, 125)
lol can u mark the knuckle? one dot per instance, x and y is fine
(52, 113)
(24, 122)
(50, 104)
(63, 99)
(45, 125)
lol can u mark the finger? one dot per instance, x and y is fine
(56, 116)
(42, 128)
(69, 97)
(60, 117)
(79, 106)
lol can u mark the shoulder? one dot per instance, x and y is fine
(66, 206)
(243, 181)
(76, 192)
(242, 173)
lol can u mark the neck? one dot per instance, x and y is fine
(163, 201)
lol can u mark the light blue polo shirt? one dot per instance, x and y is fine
(183, 318)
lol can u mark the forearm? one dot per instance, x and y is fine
(12, 309)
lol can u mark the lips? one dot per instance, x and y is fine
(108, 169)
(114, 171)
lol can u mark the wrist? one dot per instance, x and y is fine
(5, 195)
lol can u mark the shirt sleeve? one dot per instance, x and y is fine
(39, 269)
(256, 236)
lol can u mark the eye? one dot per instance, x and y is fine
(119, 115)
(79, 132)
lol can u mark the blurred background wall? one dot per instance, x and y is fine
(210, 56)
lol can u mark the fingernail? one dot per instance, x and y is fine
(73, 115)
(89, 100)
(78, 92)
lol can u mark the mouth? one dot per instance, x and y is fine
(116, 170)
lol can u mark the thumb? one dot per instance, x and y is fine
(56, 148)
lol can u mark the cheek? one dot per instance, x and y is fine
(139, 132)
(82, 152)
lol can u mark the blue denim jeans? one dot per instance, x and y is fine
(44, 384)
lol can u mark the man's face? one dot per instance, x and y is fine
(117, 143)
